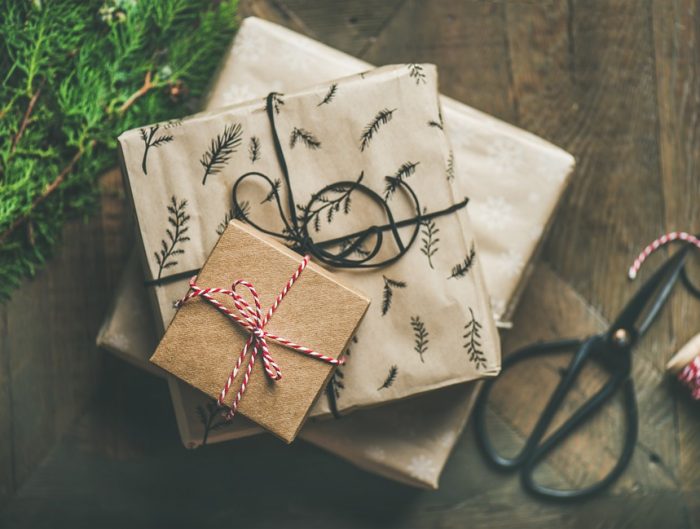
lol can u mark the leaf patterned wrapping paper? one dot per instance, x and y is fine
(500, 166)
(430, 324)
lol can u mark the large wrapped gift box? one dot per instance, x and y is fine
(515, 181)
(354, 161)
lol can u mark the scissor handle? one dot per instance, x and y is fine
(535, 350)
(566, 429)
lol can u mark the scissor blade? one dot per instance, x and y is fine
(651, 297)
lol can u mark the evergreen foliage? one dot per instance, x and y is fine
(74, 76)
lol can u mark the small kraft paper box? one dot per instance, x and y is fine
(316, 311)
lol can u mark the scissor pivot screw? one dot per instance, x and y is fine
(621, 337)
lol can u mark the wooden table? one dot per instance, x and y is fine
(86, 440)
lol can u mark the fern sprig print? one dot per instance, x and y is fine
(254, 149)
(450, 169)
(420, 335)
(417, 73)
(239, 212)
(429, 239)
(473, 341)
(220, 150)
(305, 137)
(149, 141)
(329, 95)
(461, 269)
(208, 418)
(390, 378)
(393, 182)
(330, 206)
(388, 292)
(381, 118)
(170, 246)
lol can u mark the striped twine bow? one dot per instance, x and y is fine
(252, 319)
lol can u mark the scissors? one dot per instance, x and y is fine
(611, 349)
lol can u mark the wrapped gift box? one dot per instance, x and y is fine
(502, 168)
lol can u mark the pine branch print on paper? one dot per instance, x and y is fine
(450, 169)
(330, 206)
(220, 150)
(329, 95)
(273, 192)
(420, 335)
(429, 239)
(439, 124)
(473, 341)
(254, 149)
(337, 383)
(149, 141)
(382, 118)
(175, 236)
(393, 182)
(305, 137)
(238, 212)
(417, 73)
(388, 292)
(208, 418)
(390, 378)
(276, 101)
(461, 269)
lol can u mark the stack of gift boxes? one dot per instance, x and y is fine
(420, 218)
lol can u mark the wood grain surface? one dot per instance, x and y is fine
(89, 441)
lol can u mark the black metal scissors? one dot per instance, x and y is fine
(611, 349)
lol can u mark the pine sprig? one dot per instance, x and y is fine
(254, 149)
(220, 150)
(274, 192)
(429, 239)
(473, 344)
(74, 76)
(420, 336)
(417, 73)
(329, 95)
(208, 418)
(450, 169)
(461, 269)
(381, 118)
(238, 212)
(175, 236)
(306, 138)
(388, 292)
(393, 182)
(149, 141)
(390, 378)
(330, 206)
(277, 101)
(337, 382)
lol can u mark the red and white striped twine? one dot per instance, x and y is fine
(690, 376)
(658, 243)
(252, 319)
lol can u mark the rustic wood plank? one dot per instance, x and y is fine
(466, 40)
(586, 80)
(678, 84)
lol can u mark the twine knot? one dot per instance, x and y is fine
(253, 320)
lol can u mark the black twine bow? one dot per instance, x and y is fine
(336, 252)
